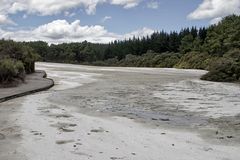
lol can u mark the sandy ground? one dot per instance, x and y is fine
(119, 113)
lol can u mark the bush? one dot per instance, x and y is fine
(223, 70)
(168, 60)
(19, 52)
(15, 60)
(195, 60)
(233, 54)
(28, 58)
(130, 61)
(151, 59)
(10, 69)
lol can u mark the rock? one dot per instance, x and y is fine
(115, 158)
(100, 130)
(64, 141)
(72, 125)
(66, 130)
(230, 137)
(164, 119)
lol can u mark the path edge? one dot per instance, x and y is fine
(44, 88)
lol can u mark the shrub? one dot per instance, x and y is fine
(19, 52)
(223, 70)
(195, 60)
(168, 60)
(10, 69)
(28, 58)
(233, 54)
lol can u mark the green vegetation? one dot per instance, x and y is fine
(226, 68)
(163, 44)
(216, 48)
(150, 59)
(16, 60)
(10, 69)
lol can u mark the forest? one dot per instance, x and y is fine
(215, 48)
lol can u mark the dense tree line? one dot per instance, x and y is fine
(216, 48)
(16, 60)
(158, 42)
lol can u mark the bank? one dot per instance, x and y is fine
(33, 83)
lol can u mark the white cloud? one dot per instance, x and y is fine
(153, 5)
(139, 33)
(126, 3)
(106, 18)
(60, 31)
(52, 7)
(215, 9)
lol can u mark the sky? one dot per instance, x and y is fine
(102, 21)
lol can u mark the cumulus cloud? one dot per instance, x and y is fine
(52, 7)
(153, 5)
(215, 9)
(61, 31)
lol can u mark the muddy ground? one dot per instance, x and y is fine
(123, 113)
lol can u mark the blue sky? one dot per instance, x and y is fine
(58, 21)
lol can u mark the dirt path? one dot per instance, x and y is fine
(34, 82)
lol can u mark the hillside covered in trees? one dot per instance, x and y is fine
(16, 60)
(216, 48)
